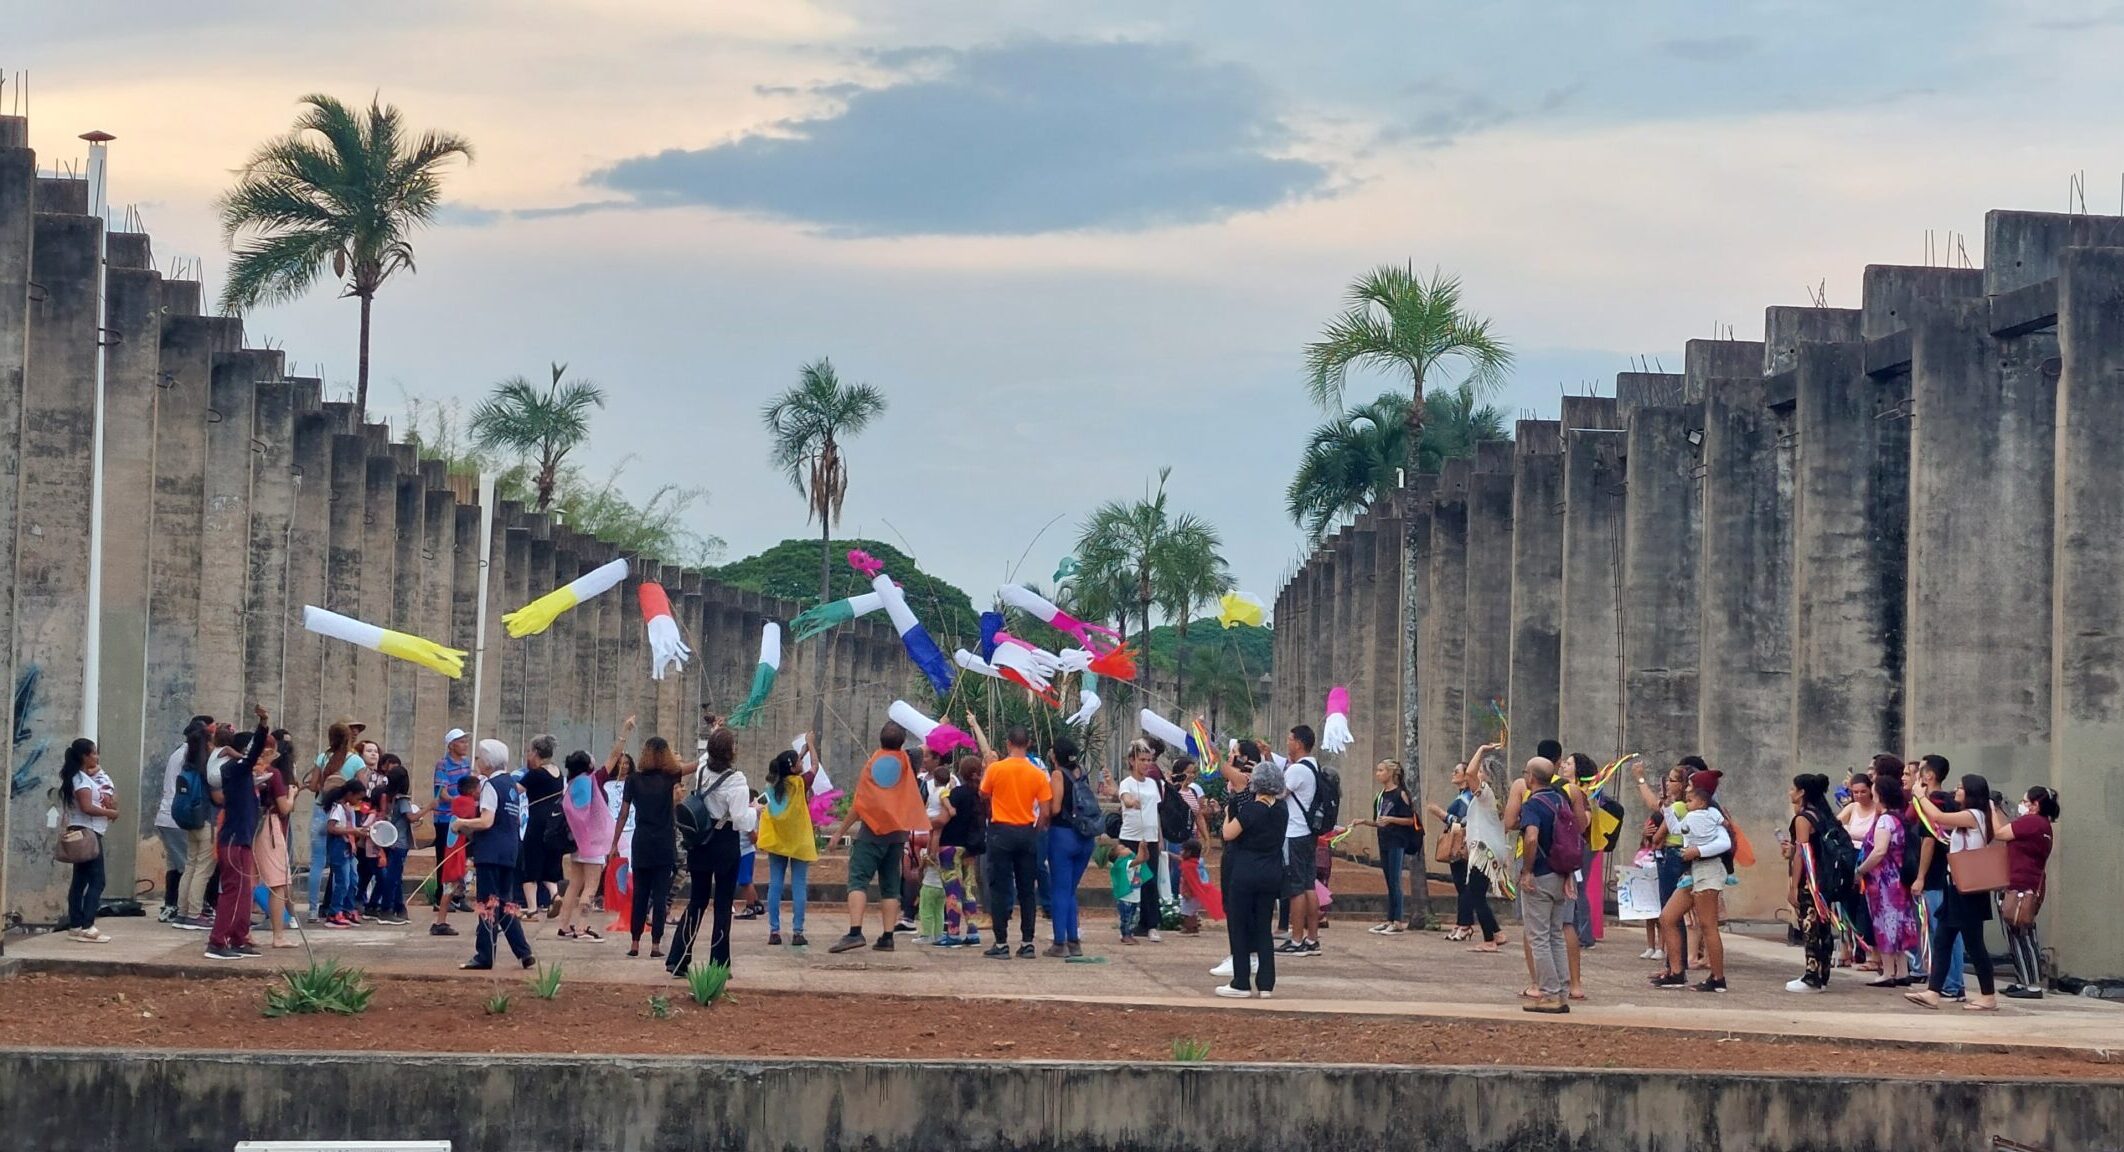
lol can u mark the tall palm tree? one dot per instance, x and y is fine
(1189, 575)
(343, 190)
(808, 424)
(1219, 684)
(539, 425)
(1353, 460)
(1144, 548)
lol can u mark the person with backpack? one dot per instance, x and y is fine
(1814, 878)
(1071, 836)
(1705, 841)
(1312, 804)
(1554, 849)
(191, 807)
(175, 844)
(1895, 930)
(713, 818)
(494, 836)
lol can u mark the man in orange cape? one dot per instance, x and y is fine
(887, 807)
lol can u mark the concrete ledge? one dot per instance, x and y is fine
(64, 1101)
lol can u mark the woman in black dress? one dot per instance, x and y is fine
(545, 828)
(650, 794)
(1253, 876)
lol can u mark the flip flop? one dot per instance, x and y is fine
(1530, 994)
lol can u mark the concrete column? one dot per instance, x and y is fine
(379, 585)
(1534, 689)
(1371, 731)
(309, 546)
(1342, 660)
(408, 520)
(1851, 508)
(224, 565)
(18, 193)
(561, 670)
(1291, 667)
(1589, 651)
(500, 588)
(432, 715)
(1745, 694)
(1786, 329)
(513, 657)
(132, 371)
(348, 537)
(63, 195)
(2025, 248)
(2088, 615)
(51, 568)
(1894, 294)
(1383, 575)
(1977, 680)
(1645, 389)
(538, 658)
(1662, 582)
(267, 556)
(464, 609)
(1320, 647)
(1487, 672)
(1442, 648)
(1705, 360)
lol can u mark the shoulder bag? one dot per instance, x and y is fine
(1979, 870)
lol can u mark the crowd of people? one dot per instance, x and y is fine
(1894, 874)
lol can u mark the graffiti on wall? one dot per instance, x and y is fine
(29, 748)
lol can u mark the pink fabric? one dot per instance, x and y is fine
(590, 823)
(1596, 875)
(1338, 700)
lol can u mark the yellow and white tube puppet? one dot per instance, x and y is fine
(812, 621)
(913, 637)
(1335, 730)
(538, 615)
(942, 740)
(1099, 639)
(397, 645)
(1168, 733)
(1236, 608)
(763, 675)
(1088, 702)
(667, 650)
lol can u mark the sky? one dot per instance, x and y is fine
(1075, 242)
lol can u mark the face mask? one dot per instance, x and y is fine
(2023, 809)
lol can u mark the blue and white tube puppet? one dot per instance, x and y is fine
(913, 637)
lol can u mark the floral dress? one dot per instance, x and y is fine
(1887, 898)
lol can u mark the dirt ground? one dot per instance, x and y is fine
(420, 1015)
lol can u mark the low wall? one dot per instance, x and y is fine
(69, 1101)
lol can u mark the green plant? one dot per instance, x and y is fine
(541, 426)
(325, 986)
(708, 982)
(660, 1006)
(545, 983)
(341, 193)
(1191, 1051)
(498, 1004)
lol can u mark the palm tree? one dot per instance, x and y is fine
(1355, 459)
(1189, 575)
(1143, 548)
(1219, 684)
(538, 425)
(808, 424)
(344, 189)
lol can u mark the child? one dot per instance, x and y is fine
(932, 899)
(1197, 897)
(748, 855)
(339, 854)
(451, 877)
(1128, 872)
(1323, 867)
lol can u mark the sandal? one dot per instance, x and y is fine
(1530, 994)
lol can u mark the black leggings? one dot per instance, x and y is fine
(1013, 858)
(1473, 884)
(1248, 913)
(651, 903)
(1149, 911)
(1959, 916)
(714, 866)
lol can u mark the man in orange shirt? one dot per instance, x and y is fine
(1019, 795)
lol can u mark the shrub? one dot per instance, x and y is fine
(709, 982)
(660, 1006)
(498, 1004)
(545, 984)
(325, 986)
(1189, 1051)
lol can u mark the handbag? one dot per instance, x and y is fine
(1979, 870)
(1453, 845)
(2019, 909)
(77, 845)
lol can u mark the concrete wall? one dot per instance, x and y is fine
(205, 1102)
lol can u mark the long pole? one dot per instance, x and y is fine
(486, 556)
(92, 666)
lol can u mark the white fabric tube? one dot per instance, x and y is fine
(905, 715)
(771, 645)
(973, 663)
(341, 627)
(598, 581)
(895, 602)
(1026, 600)
(1156, 725)
(1021, 661)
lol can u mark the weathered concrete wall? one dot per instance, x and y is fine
(18, 192)
(1589, 715)
(1536, 677)
(1662, 562)
(1487, 664)
(205, 1102)
(1442, 648)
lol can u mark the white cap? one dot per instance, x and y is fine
(453, 736)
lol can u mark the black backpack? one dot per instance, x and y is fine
(1835, 860)
(694, 826)
(1913, 844)
(1326, 808)
(1176, 821)
(1081, 808)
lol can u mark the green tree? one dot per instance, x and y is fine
(808, 424)
(1358, 457)
(1220, 684)
(656, 529)
(1192, 576)
(538, 426)
(344, 190)
(1141, 553)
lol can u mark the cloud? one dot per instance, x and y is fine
(1712, 49)
(1450, 113)
(1015, 139)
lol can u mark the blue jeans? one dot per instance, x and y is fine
(320, 861)
(391, 882)
(799, 874)
(1390, 862)
(341, 858)
(1959, 957)
(1068, 855)
(84, 892)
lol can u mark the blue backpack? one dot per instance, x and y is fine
(191, 805)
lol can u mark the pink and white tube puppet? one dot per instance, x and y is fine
(667, 649)
(942, 740)
(1099, 639)
(1335, 730)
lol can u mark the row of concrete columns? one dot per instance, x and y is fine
(1897, 528)
(234, 496)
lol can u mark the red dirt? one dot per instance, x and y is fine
(412, 1015)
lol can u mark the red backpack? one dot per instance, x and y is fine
(1566, 852)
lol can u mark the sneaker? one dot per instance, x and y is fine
(1076, 949)
(338, 922)
(396, 918)
(1310, 951)
(1710, 984)
(751, 912)
(168, 914)
(223, 954)
(849, 943)
(248, 950)
(195, 923)
(1264, 994)
(797, 941)
(1290, 948)
(1026, 951)
(1153, 937)
(2022, 992)
(1061, 952)
(1657, 954)
(1801, 987)
(946, 942)
(1378, 929)
(1670, 980)
(1394, 930)
(1646, 954)
(1223, 968)
(773, 938)
(999, 952)
(1231, 993)
(441, 930)
(906, 925)
(884, 943)
(971, 939)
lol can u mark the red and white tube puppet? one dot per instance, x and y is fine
(1099, 639)
(1088, 702)
(1335, 730)
(667, 650)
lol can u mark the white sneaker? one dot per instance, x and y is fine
(1264, 995)
(1153, 937)
(1231, 993)
(1657, 954)
(1803, 988)
(1646, 954)
(1378, 929)
(1225, 969)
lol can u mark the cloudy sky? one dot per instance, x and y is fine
(1078, 241)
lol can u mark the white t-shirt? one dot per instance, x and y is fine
(101, 790)
(341, 816)
(1299, 783)
(1970, 839)
(213, 768)
(1141, 822)
(170, 773)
